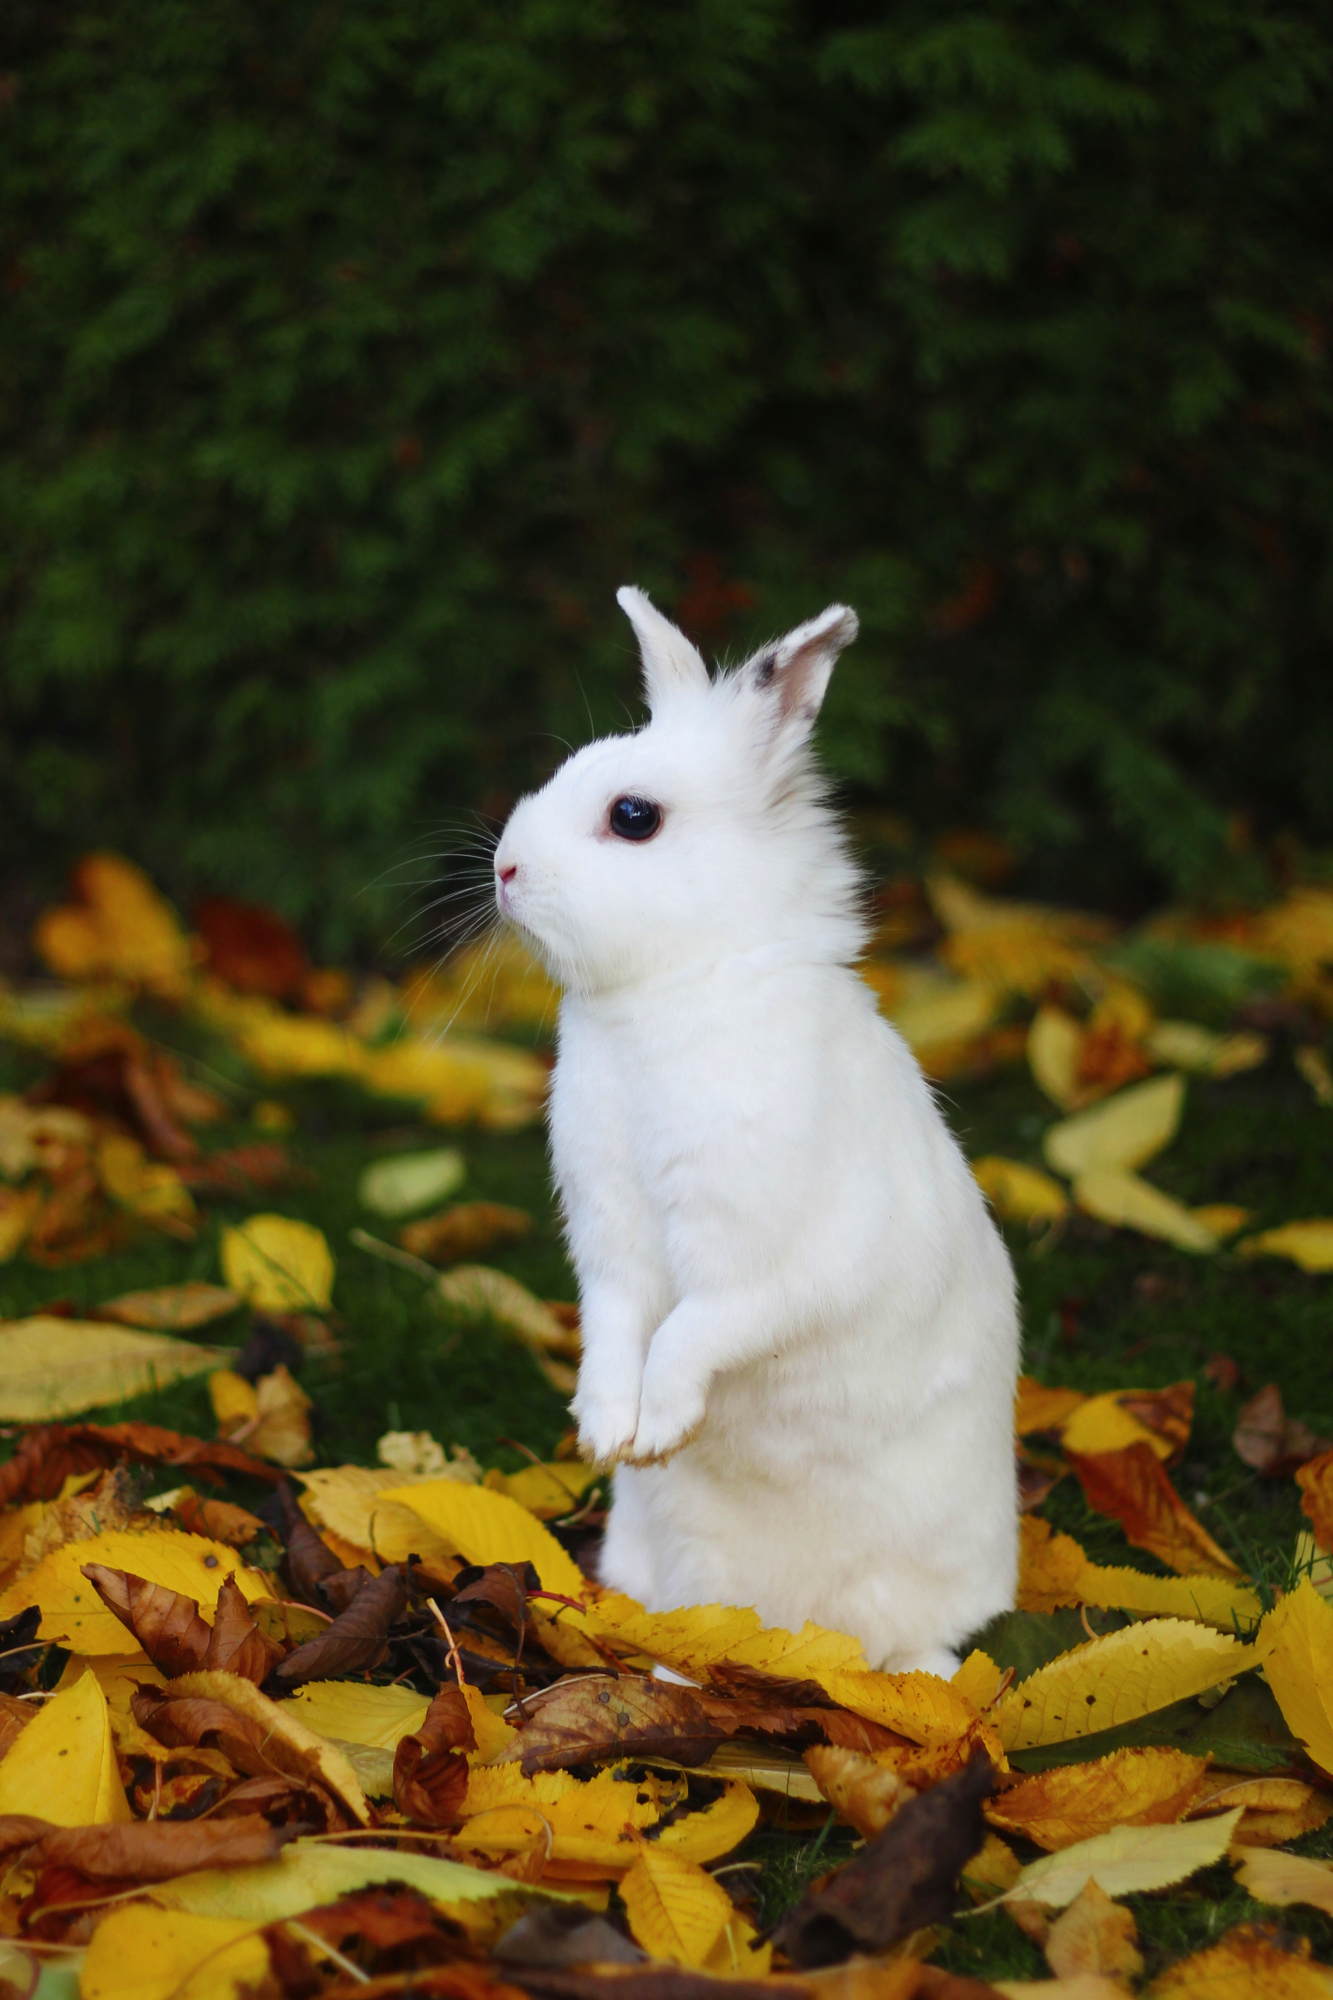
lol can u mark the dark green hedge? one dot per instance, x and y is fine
(354, 350)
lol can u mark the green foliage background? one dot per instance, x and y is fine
(354, 351)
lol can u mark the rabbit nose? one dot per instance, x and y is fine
(506, 871)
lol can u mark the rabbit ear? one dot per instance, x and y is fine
(792, 674)
(670, 663)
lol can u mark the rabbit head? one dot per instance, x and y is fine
(703, 834)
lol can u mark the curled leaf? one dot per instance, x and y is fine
(430, 1768)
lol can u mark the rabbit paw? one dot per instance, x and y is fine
(606, 1430)
(666, 1426)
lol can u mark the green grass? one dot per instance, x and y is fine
(1101, 1310)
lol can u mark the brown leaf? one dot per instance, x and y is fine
(1094, 1936)
(112, 1503)
(1268, 1439)
(309, 1558)
(120, 1083)
(553, 1934)
(1169, 1412)
(384, 1919)
(243, 1170)
(1133, 1488)
(1316, 1483)
(149, 1850)
(1223, 1371)
(236, 1645)
(170, 1308)
(860, 1979)
(866, 1794)
(357, 1639)
(165, 1623)
(599, 1717)
(48, 1454)
(198, 1721)
(218, 1519)
(252, 948)
(430, 1766)
(901, 1881)
(14, 1716)
(464, 1231)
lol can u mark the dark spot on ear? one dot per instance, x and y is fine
(765, 667)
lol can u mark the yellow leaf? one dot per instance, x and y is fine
(51, 1367)
(307, 1749)
(18, 1212)
(1055, 1042)
(488, 1527)
(1094, 1938)
(148, 1188)
(1124, 1132)
(406, 1182)
(1037, 1408)
(1246, 1965)
(1128, 1861)
(709, 1834)
(1116, 1679)
(1185, 1045)
(142, 1953)
(282, 1407)
(309, 1873)
(1102, 1423)
(692, 1639)
(918, 1705)
(1018, 1193)
(1276, 1809)
(549, 1491)
(1295, 1648)
(1054, 1571)
(497, 983)
(978, 1680)
(355, 1712)
(1309, 1244)
(460, 1079)
(477, 1292)
(945, 1012)
(591, 1825)
(676, 1910)
(278, 1265)
(62, 1766)
(867, 1794)
(1127, 1202)
(73, 1613)
(1015, 947)
(119, 929)
(1073, 1802)
(1221, 1218)
(1283, 1879)
(173, 1308)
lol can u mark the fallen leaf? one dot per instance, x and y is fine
(430, 1768)
(19, 1208)
(1121, 1134)
(270, 1416)
(1037, 1408)
(1309, 1244)
(548, 1491)
(65, 1761)
(899, 1882)
(172, 1308)
(1246, 1965)
(256, 1734)
(488, 1527)
(1128, 1861)
(74, 1615)
(1055, 1042)
(176, 1639)
(141, 1953)
(1054, 1571)
(219, 1520)
(1132, 1487)
(1313, 1066)
(144, 1850)
(587, 1831)
(416, 1452)
(118, 928)
(1018, 1193)
(251, 947)
(866, 1794)
(49, 1455)
(1076, 1802)
(1275, 1809)
(1116, 1679)
(1241, 1731)
(597, 1718)
(1316, 1483)
(1096, 1937)
(708, 1835)
(1186, 1045)
(1127, 1202)
(1283, 1879)
(1295, 1648)
(149, 1189)
(384, 1920)
(278, 1265)
(357, 1712)
(52, 1367)
(698, 1637)
(1268, 1439)
(1161, 1419)
(1221, 1218)
(676, 1910)
(465, 1230)
(407, 1181)
(474, 1291)
(560, 1934)
(357, 1639)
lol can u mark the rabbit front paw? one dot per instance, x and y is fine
(667, 1423)
(606, 1429)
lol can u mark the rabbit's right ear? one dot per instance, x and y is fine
(670, 663)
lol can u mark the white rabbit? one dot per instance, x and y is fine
(799, 1328)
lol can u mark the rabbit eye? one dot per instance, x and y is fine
(634, 819)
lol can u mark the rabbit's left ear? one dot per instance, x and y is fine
(670, 663)
(792, 675)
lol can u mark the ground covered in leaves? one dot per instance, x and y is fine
(305, 1683)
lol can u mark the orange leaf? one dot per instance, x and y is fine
(1132, 1487)
(1316, 1483)
(1073, 1802)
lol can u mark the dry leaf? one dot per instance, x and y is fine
(1037, 1408)
(278, 1265)
(1054, 1571)
(74, 1615)
(477, 1292)
(1272, 1442)
(1121, 1134)
(358, 1638)
(1127, 1861)
(172, 1308)
(676, 1910)
(49, 1455)
(465, 1230)
(1055, 1042)
(270, 1417)
(1246, 1965)
(1094, 1936)
(1185, 1045)
(53, 1367)
(1018, 1193)
(866, 1794)
(1316, 1483)
(257, 1734)
(1276, 1809)
(173, 1635)
(1309, 1244)
(430, 1764)
(1283, 1879)
(1116, 1679)
(1295, 1648)
(487, 1527)
(251, 947)
(1161, 1419)
(1132, 1487)
(65, 1761)
(407, 1181)
(597, 1718)
(1074, 1802)
(118, 928)
(1127, 1202)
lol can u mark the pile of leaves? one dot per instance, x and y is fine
(400, 1736)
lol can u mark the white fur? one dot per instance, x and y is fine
(799, 1330)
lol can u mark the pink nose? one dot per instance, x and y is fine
(508, 872)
